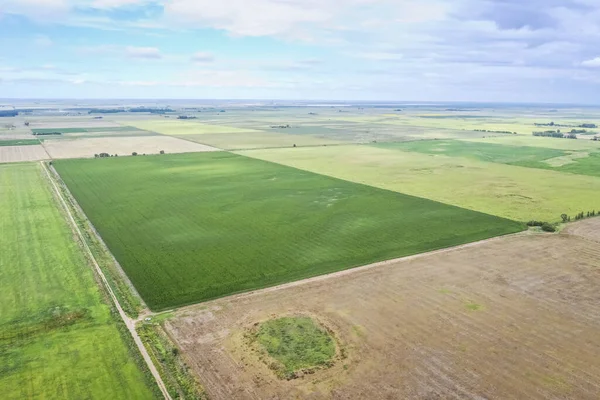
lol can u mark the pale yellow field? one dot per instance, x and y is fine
(123, 146)
(184, 127)
(257, 140)
(22, 153)
(513, 192)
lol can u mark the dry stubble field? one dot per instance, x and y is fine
(514, 317)
(86, 148)
(22, 153)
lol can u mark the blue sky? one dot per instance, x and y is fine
(426, 50)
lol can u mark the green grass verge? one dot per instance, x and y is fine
(129, 300)
(58, 336)
(176, 375)
(19, 142)
(296, 343)
(193, 227)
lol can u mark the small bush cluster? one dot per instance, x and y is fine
(535, 223)
(546, 226)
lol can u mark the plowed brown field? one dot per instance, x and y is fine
(512, 318)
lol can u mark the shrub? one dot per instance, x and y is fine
(134, 154)
(535, 223)
(546, 227)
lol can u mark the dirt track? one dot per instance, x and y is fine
(509, 318)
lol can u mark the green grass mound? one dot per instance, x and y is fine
(296, 344)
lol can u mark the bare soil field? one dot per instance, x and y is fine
(588, 229)
(84, 148)
(22, 153)
(510, 318)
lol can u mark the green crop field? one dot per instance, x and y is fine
(497, 153)
(19, 142)
(574, 162)
(513, 192)
(537, 141)
(193, 227)
(58, 339)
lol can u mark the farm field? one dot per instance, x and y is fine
(58, 338)
(19, 142)
(575, 162)
(86, 148)
(257, 140)
(477, 151)
(513, 192)
(514, 317)
(178, 128)
(533, 141)
(12, 154)
(189, 228)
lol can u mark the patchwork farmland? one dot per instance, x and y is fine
(299, 251)
(189, 228)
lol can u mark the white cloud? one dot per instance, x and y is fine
(202, 57)
(143, 52)
(593, 63)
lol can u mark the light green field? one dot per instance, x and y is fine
(537, 141)
(513, 192)
(257, 140)
(575, 162)
(496, 153)
(58, 339)
(184, 127)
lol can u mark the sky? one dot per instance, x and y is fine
(379, 50)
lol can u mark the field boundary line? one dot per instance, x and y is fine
(350, 271)
(130, 323)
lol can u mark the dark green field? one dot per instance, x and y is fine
(193, 227)
(19, 142)
(46, 131)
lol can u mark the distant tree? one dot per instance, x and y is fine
(564, 217)
(162, 152)
(95, 155)
(134, 154)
